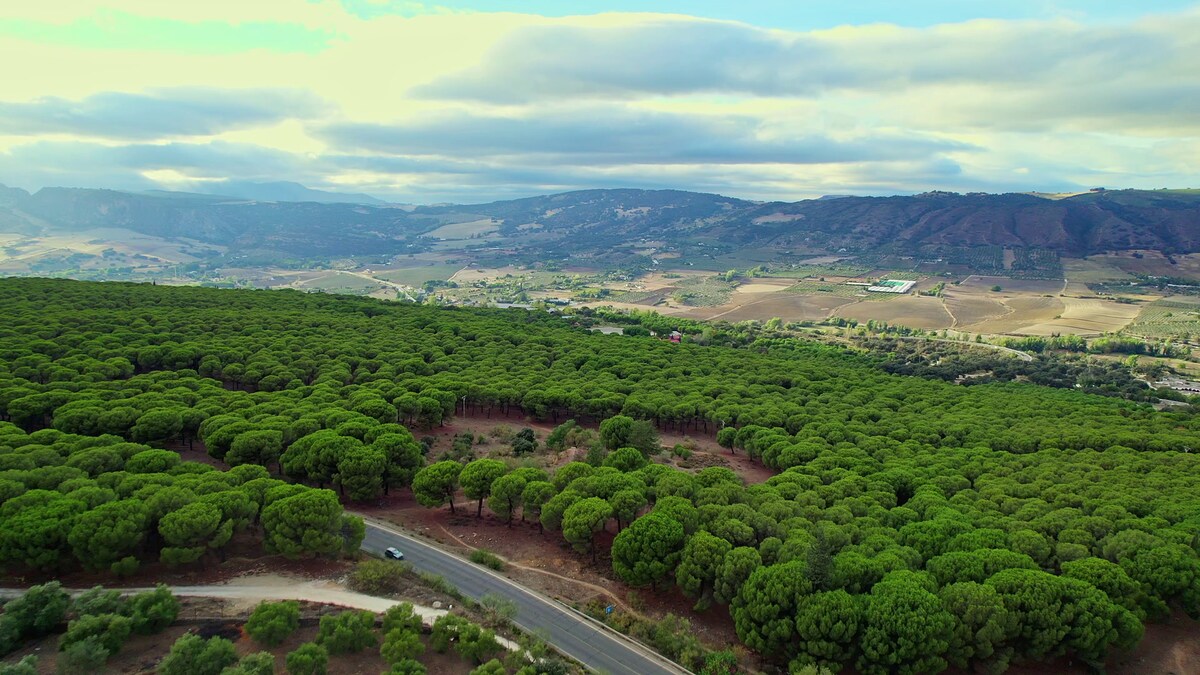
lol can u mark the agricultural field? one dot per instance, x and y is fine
(336, 281)
(787, 306)
(417, 274)
(908, 310)
(475, 229)
(1151, 263)
(1177, 317)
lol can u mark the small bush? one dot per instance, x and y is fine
(308, 659)
(379, 577)
(97, 600)
(81, 658)
(438, 583)
(482, 556)
(109, 630)
(498, 608)
(152, 611)
(260, 663)
(401, 617)
(26, 666)
(347, 632)
(272, 622)
(193, 655)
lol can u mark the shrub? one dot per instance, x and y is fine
(347, 632)
(259, 663)
(272, 622)
(26, 666)
(97, 600)
(38, 612)
(401, 616)
(407, 667)
(438, 583)
(401, 644)
(109, 630)
(193, 655)
(484, 557)
(82, 658)
(498, 608)
(309, 658)
(493, 667)
(379, 577)
(153, 611)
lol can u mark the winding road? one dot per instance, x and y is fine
(593, 644)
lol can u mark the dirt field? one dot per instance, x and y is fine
(1086, 316)
(787, 306)
(909, 310)
(759, 286)
(1152, 263)
(1011, 286)
(1025, 311)
(967, 310)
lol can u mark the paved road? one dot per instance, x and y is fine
(595, 646)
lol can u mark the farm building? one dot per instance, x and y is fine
(892, 286)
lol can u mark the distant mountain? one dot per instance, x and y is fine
(606, 224)
(286, 192)
(275, 229)
(10, 195)
(1074, 226)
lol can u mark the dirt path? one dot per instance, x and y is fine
(248, 591)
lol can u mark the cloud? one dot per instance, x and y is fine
(109, 29)
(158, 114)
(83, 164)
(610, 134)
(1085, 71)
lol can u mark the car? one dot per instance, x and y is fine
(393, 553)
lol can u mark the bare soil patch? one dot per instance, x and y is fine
(1153, 263)
(1027, 310)
(786, 306)
(1038, 286)
(1086, 316)
(968, 310)
(764, 286)
(911, 311)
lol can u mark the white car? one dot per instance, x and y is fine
(393, 553)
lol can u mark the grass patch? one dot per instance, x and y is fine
(837, 290)
(438, 583)
(415, 276)
(482, 556)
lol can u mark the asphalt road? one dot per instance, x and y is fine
(599, 648)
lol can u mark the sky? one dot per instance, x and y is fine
(476, 100)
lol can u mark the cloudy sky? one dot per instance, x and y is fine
(473, 100)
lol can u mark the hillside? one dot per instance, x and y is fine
(597, 223)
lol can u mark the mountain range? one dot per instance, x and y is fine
(595, 222)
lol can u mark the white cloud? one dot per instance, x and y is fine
(436, 105)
